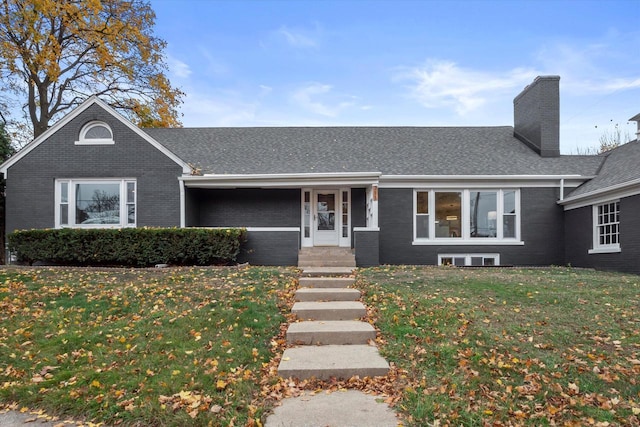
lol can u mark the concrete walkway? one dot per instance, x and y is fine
(331, 341)
(337, 409)
(9, 418)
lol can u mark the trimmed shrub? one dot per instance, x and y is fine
(135, 247)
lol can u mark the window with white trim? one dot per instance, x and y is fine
(95, 203)
(469, 215)
(606, 221)
(95, 133)
(469, 260)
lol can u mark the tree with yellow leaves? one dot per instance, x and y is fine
(56, 53)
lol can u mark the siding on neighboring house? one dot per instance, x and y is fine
(541, 231)
(31, 181)
(579, 239)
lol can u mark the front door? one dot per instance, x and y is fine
(326, 216)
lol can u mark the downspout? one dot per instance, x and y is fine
(182, 205)
(561, 189)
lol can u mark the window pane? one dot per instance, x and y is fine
(509, 201)
(509, 226)
(64, 192)
(98, 132)
(446, 261)
(98, 203)
(326, 202)
(326, 221)
(489, 261)
(131, 192)
(476, 261)
(131, 214)
(64, 214)
(460, 261)
(423, 202)
(422, 226)
(307, 214)
(448, 214)
(483, 215)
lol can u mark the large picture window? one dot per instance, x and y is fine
(606, 233)
(95, 203)
(470, 216)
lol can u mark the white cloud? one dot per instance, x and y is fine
(596, 68)
(217, 108)
(299, 38)
(319, 99)
(265, 90)
(444, 84)
(178, 68)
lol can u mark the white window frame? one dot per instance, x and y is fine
(467, 257)
(465, 238)
(599, 248)
(71, 202)
(83, 140)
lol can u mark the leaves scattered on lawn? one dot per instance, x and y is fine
(154, 347)
(510, 347)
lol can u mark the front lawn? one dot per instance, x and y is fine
(510, 346)
(185, 346)
(200, 346)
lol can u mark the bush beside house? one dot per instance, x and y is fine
(137, 247)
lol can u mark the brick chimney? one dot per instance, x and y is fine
(536, 116)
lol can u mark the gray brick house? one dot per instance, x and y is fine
(395, 195)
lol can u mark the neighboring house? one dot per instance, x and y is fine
(396, 195)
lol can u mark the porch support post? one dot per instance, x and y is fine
(182, 204)
(373, 200)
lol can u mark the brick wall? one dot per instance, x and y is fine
(30, 182)
(536, 116)
(541, 230)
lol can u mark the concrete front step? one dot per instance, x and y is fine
(332, 310)
(326, 282)
(326, 361)
(311, 271)
(326, 256)
(344, 332)
(325, 262)
(327, 294)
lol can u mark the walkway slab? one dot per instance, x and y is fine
(329, 310)
(326, 361)
(339, 409)
(330, 332)
(327, 294)
(326, 282)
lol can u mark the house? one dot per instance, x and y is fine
(395, 195)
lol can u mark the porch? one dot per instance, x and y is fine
(286, 215)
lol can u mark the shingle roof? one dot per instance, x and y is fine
(390, 150)
(622, 164)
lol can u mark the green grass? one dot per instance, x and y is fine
(148, 347)
(510, 346)
(199, 346)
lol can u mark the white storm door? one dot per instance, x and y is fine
(326, 217)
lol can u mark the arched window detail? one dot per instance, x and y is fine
(95, 133)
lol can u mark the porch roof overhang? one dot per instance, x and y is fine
(287, 180)
(479, 181)
(618, 191)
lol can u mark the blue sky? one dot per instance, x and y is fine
(402, 63)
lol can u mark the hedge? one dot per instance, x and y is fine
(136, 247)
